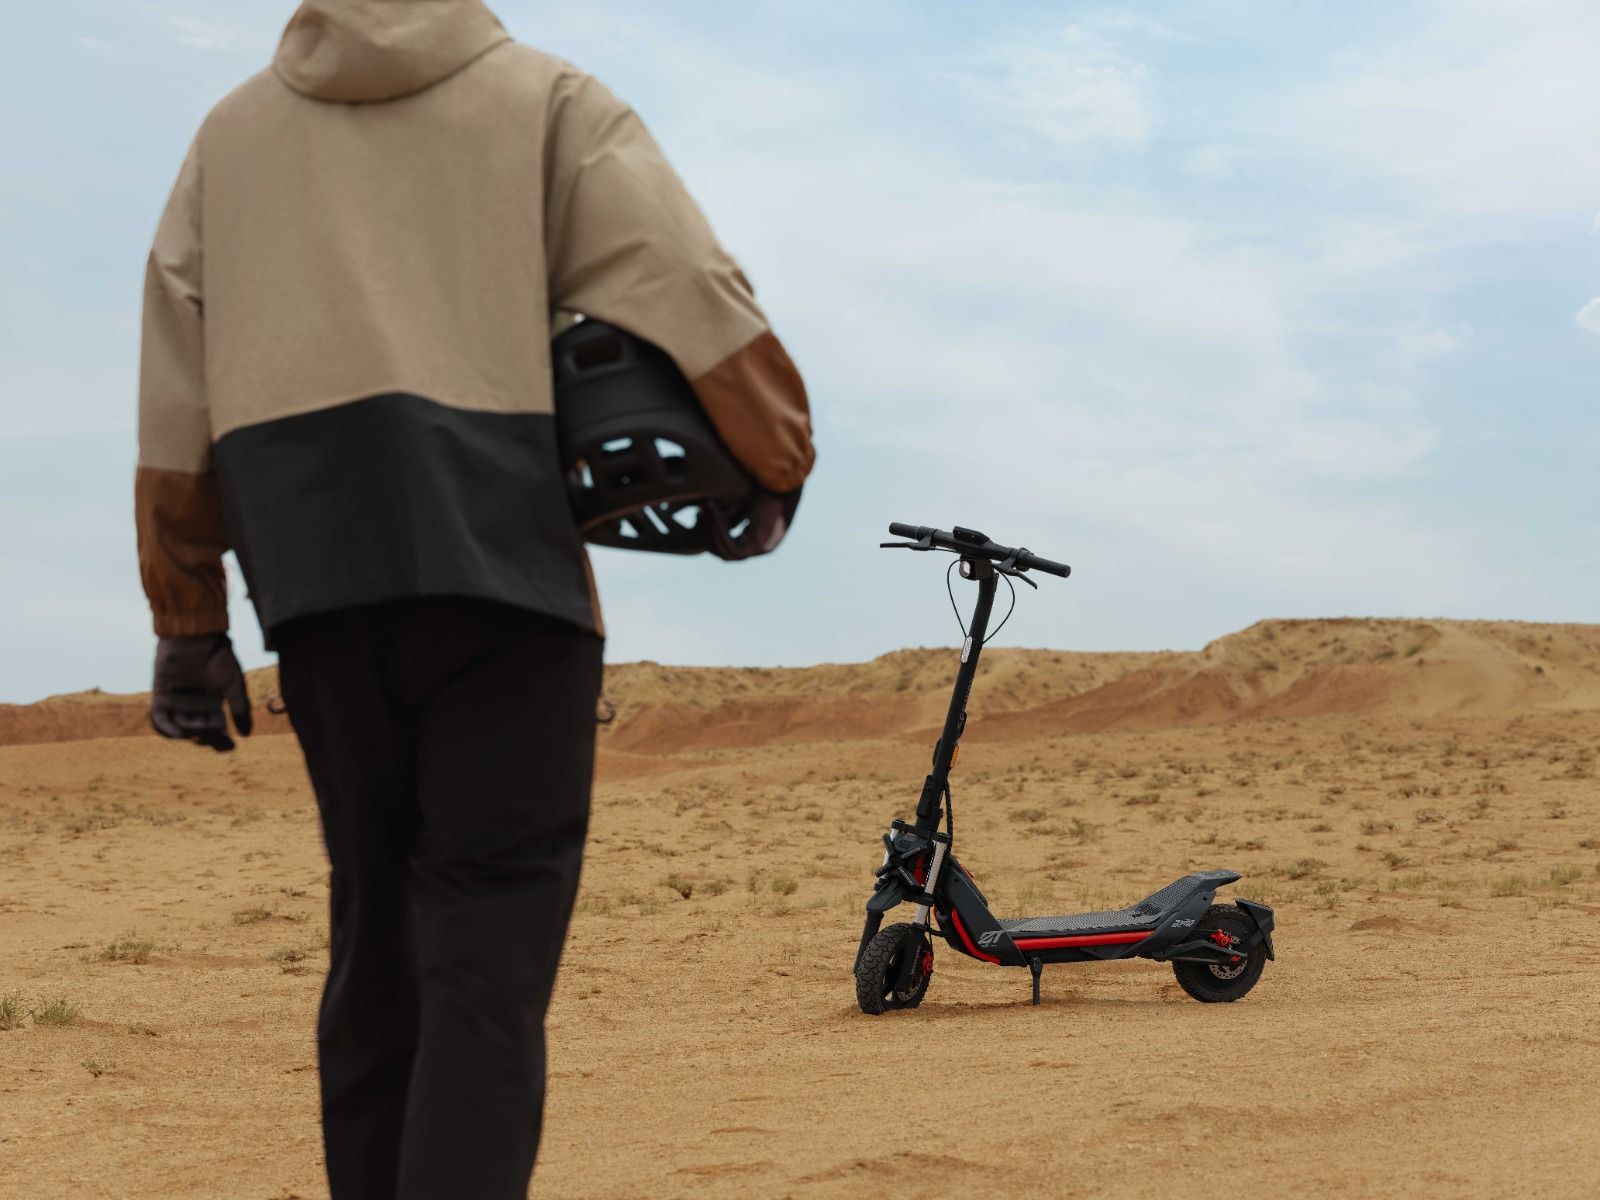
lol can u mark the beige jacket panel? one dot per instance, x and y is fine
(174, 423)
(408, 257)
(627, 244)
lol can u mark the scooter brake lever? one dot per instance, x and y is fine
(925, 542)
(1000, 567)
(1009, 567)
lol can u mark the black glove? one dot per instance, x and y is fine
(767, 519)
(194, 675)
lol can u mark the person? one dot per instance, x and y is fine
(345, 379)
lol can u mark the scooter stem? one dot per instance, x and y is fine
(955, 718)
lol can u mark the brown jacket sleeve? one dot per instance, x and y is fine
(177, 508)
(627, 244)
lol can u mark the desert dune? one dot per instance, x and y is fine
(1417, 798)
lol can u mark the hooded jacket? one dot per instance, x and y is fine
(345, 372)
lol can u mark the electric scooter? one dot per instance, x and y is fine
(1217, 951)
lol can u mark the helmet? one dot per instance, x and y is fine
(640, 455)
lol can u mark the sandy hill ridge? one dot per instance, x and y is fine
(1273, 669)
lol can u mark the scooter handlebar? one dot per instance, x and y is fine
(972, 544)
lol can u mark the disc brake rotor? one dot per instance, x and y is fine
(1234, 943)
(924, 969)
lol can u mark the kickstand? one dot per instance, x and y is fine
(1037, 968)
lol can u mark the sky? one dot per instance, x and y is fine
(1245, 310)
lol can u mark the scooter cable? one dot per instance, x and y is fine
(1009, 611)
(951, 592)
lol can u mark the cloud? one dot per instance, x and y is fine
(1072, 89)
(1423, 345)
(1478, 111)
(1133, 332)
(198, 34)
(205, 33)
(104, 48)
(1214, 162)
(1588, 317)
(1041, 350)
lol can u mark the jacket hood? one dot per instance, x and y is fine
(366, 50)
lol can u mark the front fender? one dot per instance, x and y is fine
(889, 895)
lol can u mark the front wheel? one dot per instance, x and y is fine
(1222, 983)
(879, 969)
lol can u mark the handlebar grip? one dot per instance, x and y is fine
(914, 532)
(1035, 563)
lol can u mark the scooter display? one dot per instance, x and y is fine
(1216, 950)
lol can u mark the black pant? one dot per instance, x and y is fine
(451, 746)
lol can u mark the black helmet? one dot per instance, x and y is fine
(640, 455)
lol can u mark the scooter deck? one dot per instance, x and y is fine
(1146, 914)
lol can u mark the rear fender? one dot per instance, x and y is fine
(1262, 916)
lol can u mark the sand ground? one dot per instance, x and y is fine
(1431, 1026)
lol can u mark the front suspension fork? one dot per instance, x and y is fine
(939, 851)
(874, 921)
(906, 977)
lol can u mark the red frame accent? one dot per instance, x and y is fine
(1080, 939)
(967, 940)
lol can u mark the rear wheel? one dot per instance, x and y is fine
(1222, 983)
(880, 968)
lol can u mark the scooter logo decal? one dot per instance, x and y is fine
(966, 649)
(1183, 924)
(991, 938)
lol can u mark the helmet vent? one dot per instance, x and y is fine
(657, 520)
(621, 466)
(674, 459)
